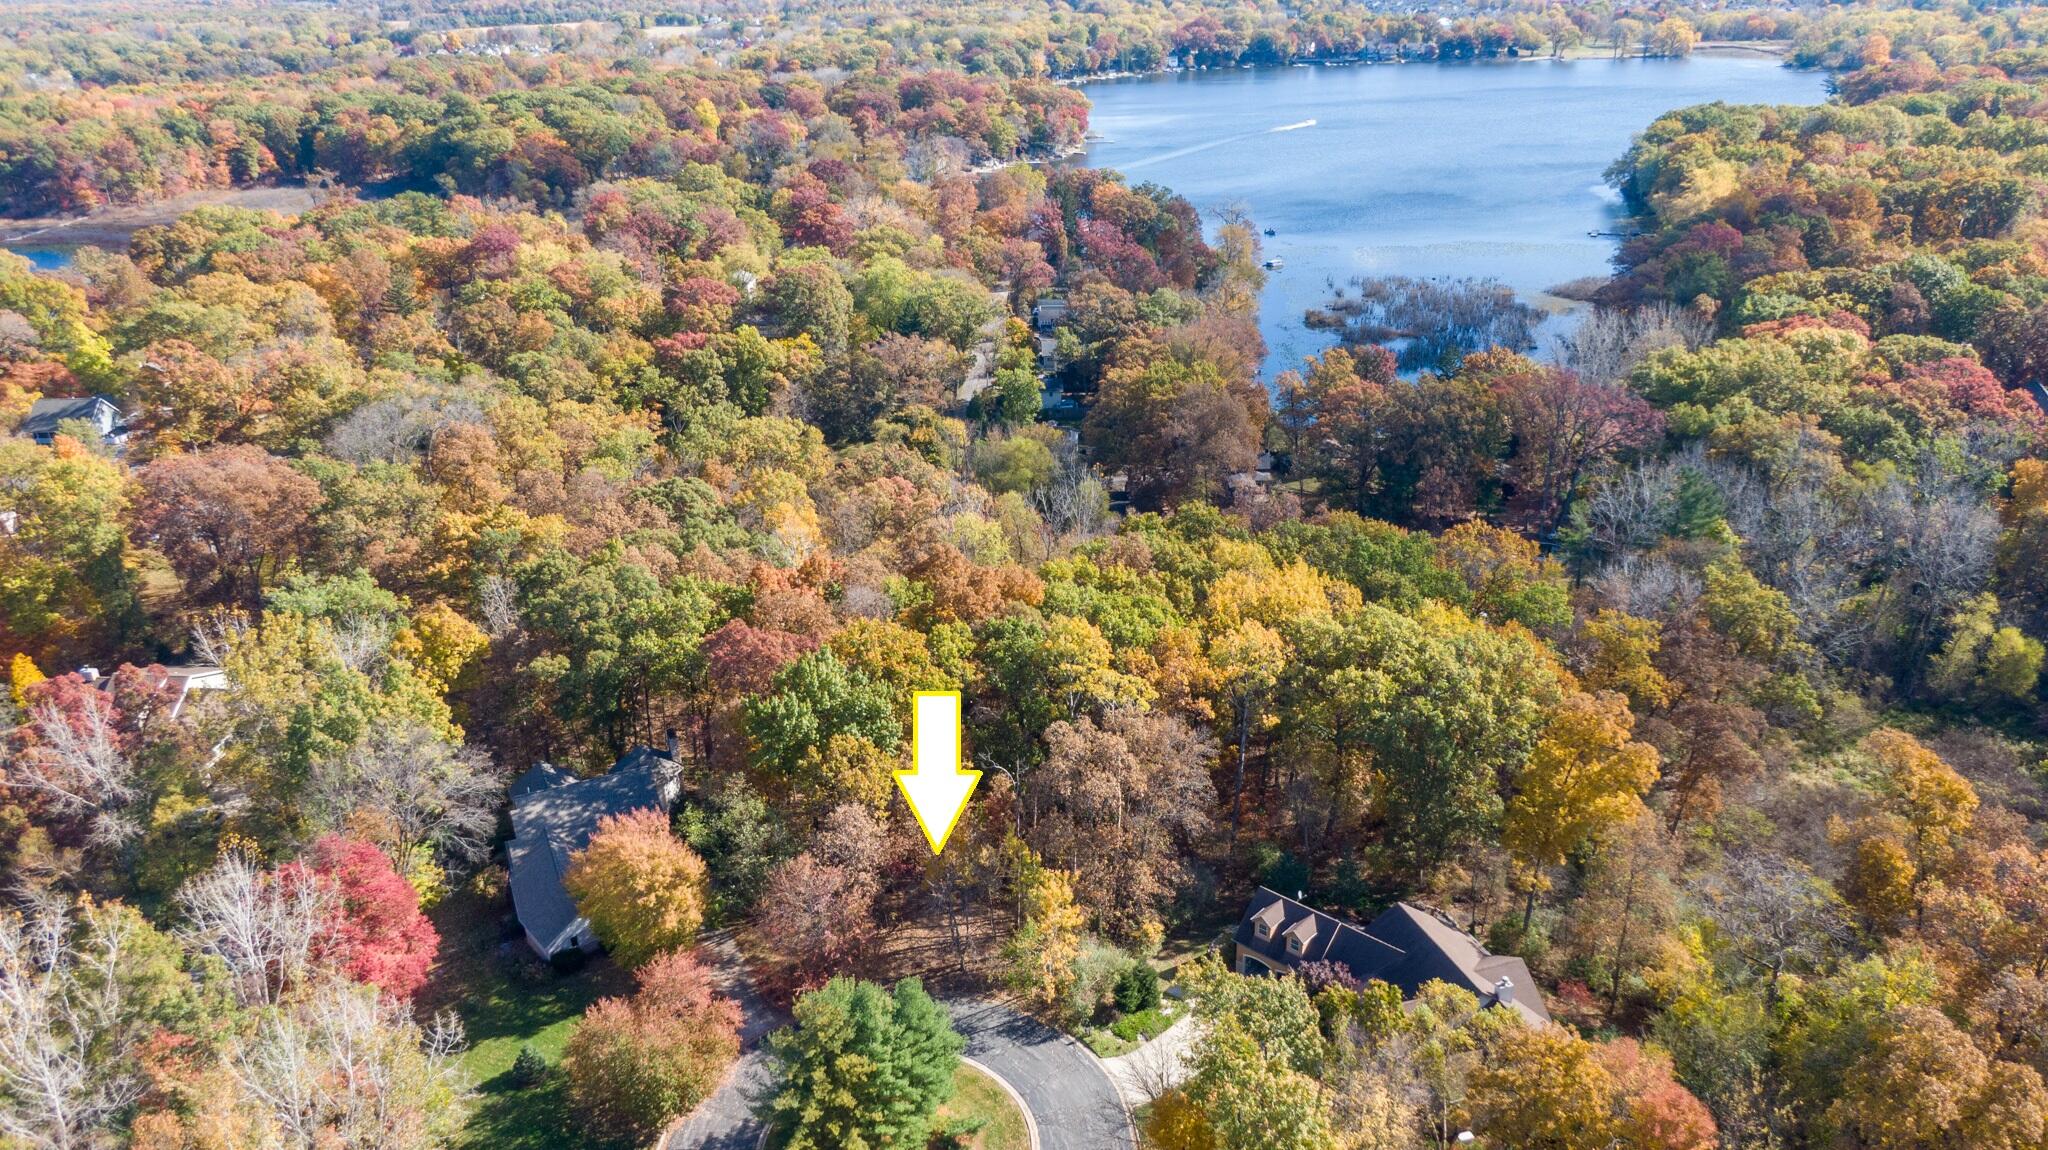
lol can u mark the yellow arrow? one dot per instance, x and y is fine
(937, 789)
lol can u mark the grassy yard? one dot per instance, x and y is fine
(507, 1002)
(976, 1097)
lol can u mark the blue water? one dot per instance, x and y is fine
(46, 259)
(1485, 169)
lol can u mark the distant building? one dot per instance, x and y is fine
(555, 814)
(46, 417)
(188, 679)
(1047, 313)
(1405, 946)
(180, 682)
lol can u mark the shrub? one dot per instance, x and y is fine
(529, 1068)
(1137, 988)
(1139, 1025)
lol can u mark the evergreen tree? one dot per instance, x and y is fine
(863, 1067)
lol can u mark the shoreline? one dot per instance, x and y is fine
(114, 226)
(1761, 49)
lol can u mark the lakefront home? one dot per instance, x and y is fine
(555, 814)
(1406, 946)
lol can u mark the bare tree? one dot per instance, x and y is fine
(1777, 913)
(66, 1064)
(361, 641)
(261, 926)
(73, 758)
(1629, 512)
(499, 599)
(1610, 342)
(341, 1065)
(398, 429)
(427, 791)
(1651, 588)
(216, 633)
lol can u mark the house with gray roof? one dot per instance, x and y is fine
(1406, 946)
(46, 417)
(555, 814)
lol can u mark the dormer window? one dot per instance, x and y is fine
(1300, 935)
(1267, 921)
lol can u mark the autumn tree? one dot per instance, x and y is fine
(1585, 776)
(375, 932)
(1440, 706)
(643, 889)
(1922, 1083)
(66, 579)
(228, 518)
(1253, 1066)
(819, 915)
(1118, 805)
(1545, 1088)
(635, 1063)
(1041, 955)
(1622, 920)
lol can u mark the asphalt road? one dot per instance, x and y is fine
(1071, 1098)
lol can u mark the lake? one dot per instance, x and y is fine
(45, 259)
(1480, 169)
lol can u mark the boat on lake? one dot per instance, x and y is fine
(1274, 265)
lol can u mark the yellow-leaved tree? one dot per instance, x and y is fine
(1041, 955)
(22, 674)
(1586, 776)
(642, 888)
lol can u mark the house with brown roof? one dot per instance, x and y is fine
(1406, 946)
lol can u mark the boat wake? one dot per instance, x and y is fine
(1190, 150)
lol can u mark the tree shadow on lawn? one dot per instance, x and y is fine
(537, 1117)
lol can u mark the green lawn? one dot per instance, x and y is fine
(506, 1005)
(977, 1097)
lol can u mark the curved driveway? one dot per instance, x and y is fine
(1072, 1100)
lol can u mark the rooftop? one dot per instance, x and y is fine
(555, 814)
(1406, 946)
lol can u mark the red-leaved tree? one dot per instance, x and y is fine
(376, 934)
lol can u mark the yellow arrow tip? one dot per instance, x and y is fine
(937, 788)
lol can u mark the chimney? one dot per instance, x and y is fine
(89, 674)
(1504, 991)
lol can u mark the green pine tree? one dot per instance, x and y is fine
(864, 1068)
